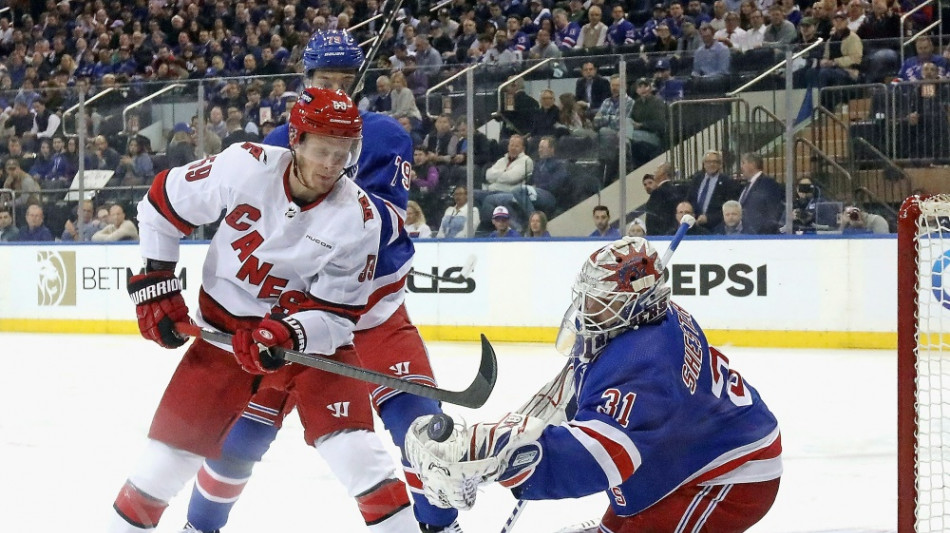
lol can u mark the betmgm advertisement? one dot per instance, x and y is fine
(765, 292)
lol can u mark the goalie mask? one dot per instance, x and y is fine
(620, 286)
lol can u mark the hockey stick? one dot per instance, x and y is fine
(685, 223)
(390, 9)
(474, 396)
(460, 278)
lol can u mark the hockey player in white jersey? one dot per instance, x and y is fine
(290, 266)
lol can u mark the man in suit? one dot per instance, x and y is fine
(762, 198)
(661, 207)
(592, 88)
(709, 188)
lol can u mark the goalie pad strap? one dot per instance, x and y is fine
(382, 501)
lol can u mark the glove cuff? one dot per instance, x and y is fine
(153, 286)
(298, 335)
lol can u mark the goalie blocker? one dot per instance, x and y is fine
(652, 397)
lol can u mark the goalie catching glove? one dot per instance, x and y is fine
(451, 471)
(158, 305)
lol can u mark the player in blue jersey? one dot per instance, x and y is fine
(677, 439)
(385, 338)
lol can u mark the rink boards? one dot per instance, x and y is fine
(785, 292)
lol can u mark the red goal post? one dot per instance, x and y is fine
(923, 365)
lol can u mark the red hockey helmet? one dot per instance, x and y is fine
(326, 113)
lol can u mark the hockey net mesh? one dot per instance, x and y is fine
(931, 383)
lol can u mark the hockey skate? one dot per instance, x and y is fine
(587, 526)
(188, 528)
(454, 527)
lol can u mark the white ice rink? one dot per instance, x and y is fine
(74, 411)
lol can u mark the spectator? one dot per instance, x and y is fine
(455, 217)
(538, 14)
(216, 122)
(621, 31)
(732, 35)
(517, 39)
(697, 11)
(912, 68)
(709, 189)
(466, 42)
(660, 208)
(181, 149)
(403, 101)
(544, 48)
(841, 61)
(550, 179)
(424, 183)
(792, 12)
(519, 110)
(537, 225)
(441, 143)
(637, 228)
(647, 131)
(677, 17)
(689, 41)
(23, 185)
(34, 231)
(607, 121)
(854, 220)
(731, 219)
(924, 126)
(648, 33)
(545, 118)
(45, 122)
(235, 134)
(416, 225)
(592, 88)
(686, 208)
(499, 218)
(578, 11)
(665, 42)
(755, 35)
(8, 230)
(502, 58)
(64, 164)
(594, 33)
(119, 228)
(711, 61)
(442, 42)
(566, 32)
(882, 22)
(42, 167)
(509, 175)
(718, 19)
(762, 198)
(102, 156)
(86, 221)
(573, 117)
(427, 58)
(19, 118)
(411, 130)
(482, 154)
(823, 23)
(602, 227)
(135, 167)
(382, 102)
(855, 13)
(807, 196)
(780, 32)
(668, 88)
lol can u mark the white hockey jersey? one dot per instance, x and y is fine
(270, 254)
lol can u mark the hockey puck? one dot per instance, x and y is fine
(440, 427)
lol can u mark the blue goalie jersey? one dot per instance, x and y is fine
(383, 170)
(658, 409)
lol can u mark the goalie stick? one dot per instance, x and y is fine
(474, 396)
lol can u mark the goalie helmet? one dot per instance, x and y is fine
(620, 285)
(326, 113)
(332, 50)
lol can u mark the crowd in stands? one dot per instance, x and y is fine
(248, 55)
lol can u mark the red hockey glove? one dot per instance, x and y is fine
(251, 346)
(158, 305)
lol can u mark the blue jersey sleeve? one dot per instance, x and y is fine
(279, 136)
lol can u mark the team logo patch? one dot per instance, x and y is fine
(56, 278)
(306, 98)
(266, 335)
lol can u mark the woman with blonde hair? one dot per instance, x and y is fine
(416, 225)
(537, 225)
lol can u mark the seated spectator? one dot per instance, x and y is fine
(46, 123)
(544, 48)
(428, 59)
(762, 199)
(537, 225)
(685, 207)
(731, 219)
(34, 231)
(411, 130)
(382, 101)
(424, 183)
(119, 228)
(566, 32)
(594, 33)
(181, 149)
(807, 196)
(572, 118)
(102, 156)
(648, 32)
(647, 131)
(665, 43)
(552, 185)
(912, 68)
(519, 110)
(236, 134)
(856, 221)
(607, 121)
(8, 229)
(602, 228)
(923, 110)
(732, 35)
(666, 87)
(688, 42)
(697, 11)
(709, 189)
(518, 40)
(135, 167)
(591, 88)
(42, 167)
(755, 34)
(465, 43)
(677, 17)
(792, 12)
(441, 41)
(441, 143)
(507, 180)
(499, 219)
(621, 31)
(882, 22)
(19, 119)
(23, 185)
(416, 225)
(456, 215)
(403, 102)
(841, 61)
(855, 13)
(83, 226)
(536, 18)
(544, 121)
(717, 19)
(637, 228)
(710, 62)
(780, 32)
(660, 208)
